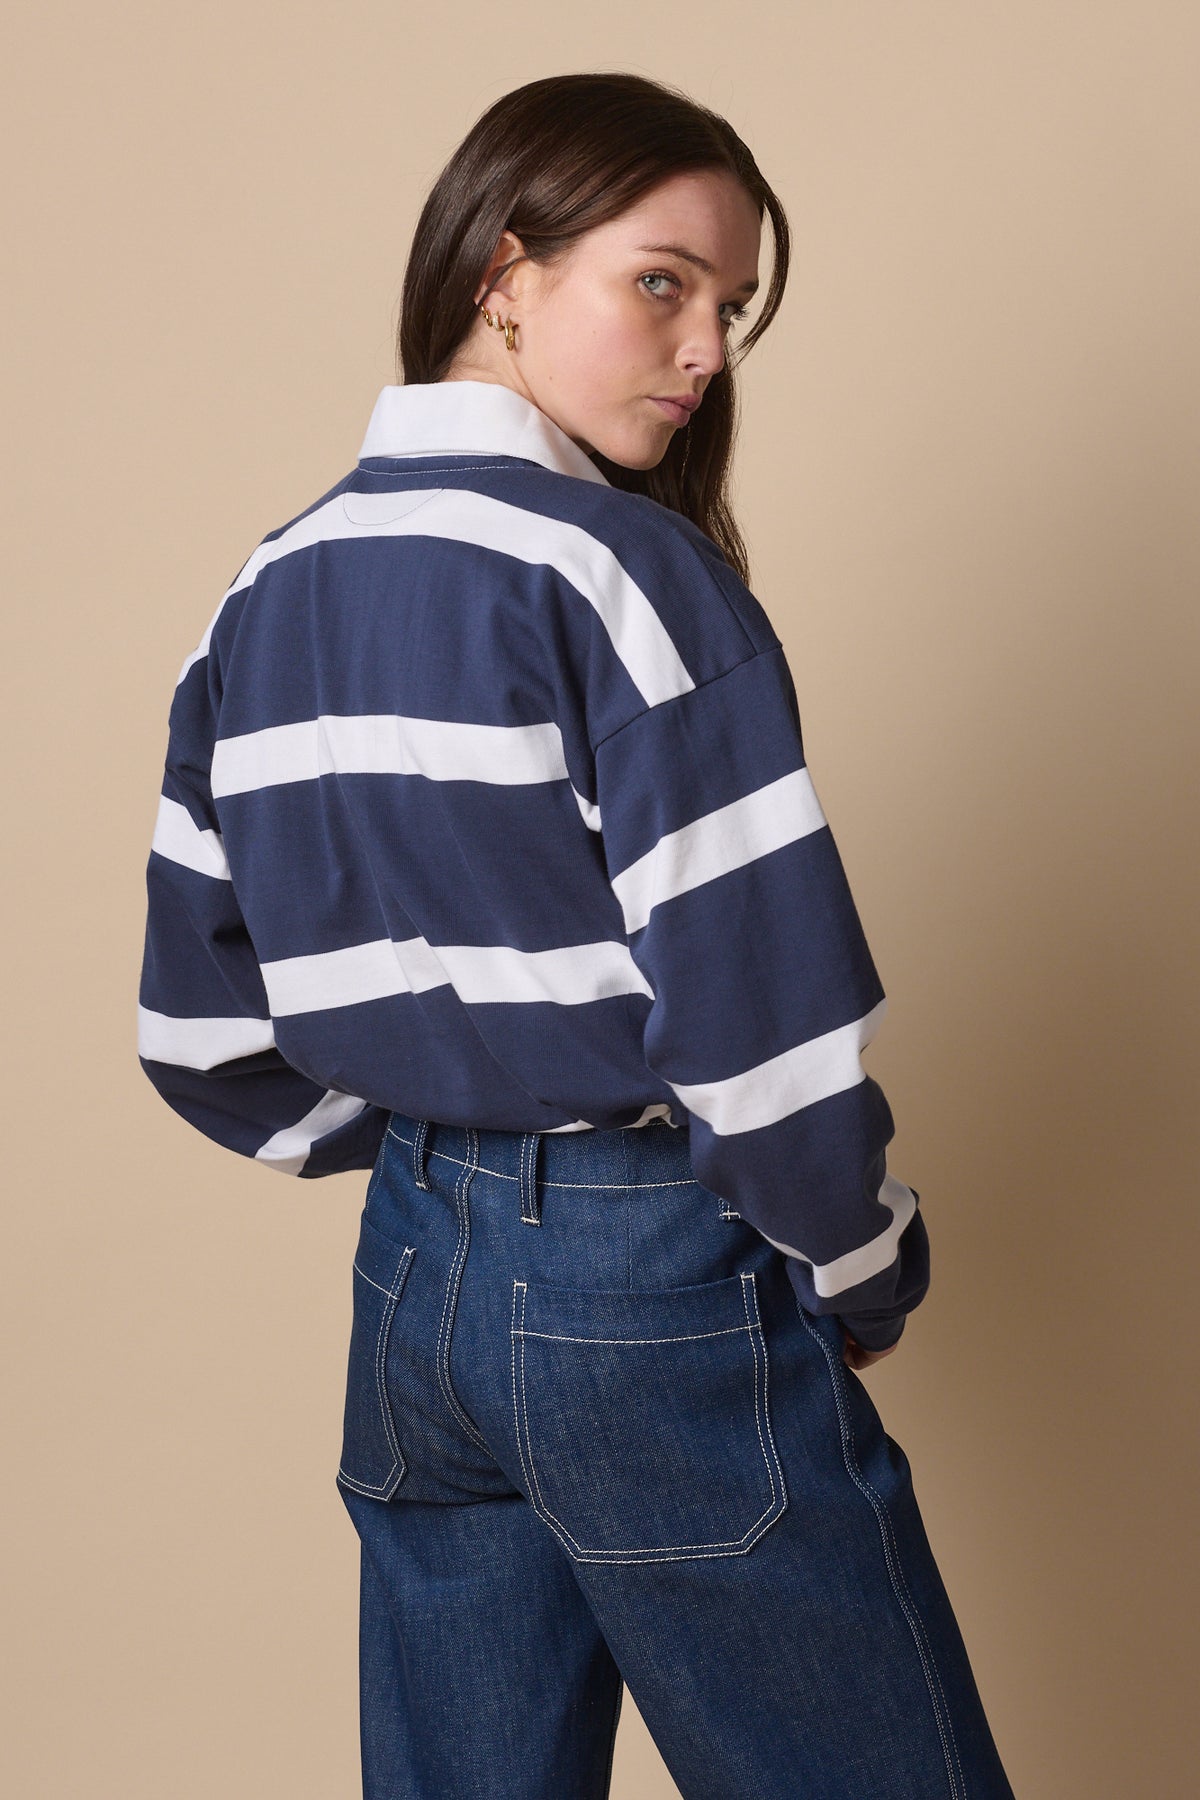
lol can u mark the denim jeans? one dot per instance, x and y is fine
(592, 1440)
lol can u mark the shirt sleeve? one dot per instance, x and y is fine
(764, 995)
(205, 1036)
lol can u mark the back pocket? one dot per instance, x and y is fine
(372, 1461)
(643, 1419)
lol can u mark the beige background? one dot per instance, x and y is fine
(968, 473)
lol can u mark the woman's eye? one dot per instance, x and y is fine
(738, 312)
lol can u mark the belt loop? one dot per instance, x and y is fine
(531, 1205)
(419, 1173)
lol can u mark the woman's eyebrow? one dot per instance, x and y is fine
(747, 287)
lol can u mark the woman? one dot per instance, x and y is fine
(488, 860)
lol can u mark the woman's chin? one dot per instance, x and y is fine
(640, 454)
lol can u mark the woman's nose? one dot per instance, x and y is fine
(703, 349)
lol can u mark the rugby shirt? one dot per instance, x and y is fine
(485, 800)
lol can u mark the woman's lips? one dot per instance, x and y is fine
(679, 415)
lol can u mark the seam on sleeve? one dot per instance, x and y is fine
(657, 706)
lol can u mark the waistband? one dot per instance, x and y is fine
(651, 1155)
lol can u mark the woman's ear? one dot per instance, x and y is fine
(509, 249)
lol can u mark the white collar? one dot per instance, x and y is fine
(456, 418)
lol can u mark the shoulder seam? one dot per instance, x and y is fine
(767, 650)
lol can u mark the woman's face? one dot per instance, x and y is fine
(624, 320)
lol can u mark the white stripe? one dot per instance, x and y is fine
(870, 1258)
(657, 1110)
(288, 1150)
(570, 976)
(481, 974)
(589, 812)
(784, 1084)
(298, 984)
(722, 840)
(200, 1043)
(640, 638)
(178, 837)
(386, 744)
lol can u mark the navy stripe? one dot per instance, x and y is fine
(198, 959)
(761, 994)
(570, 1068)
(732, 735)
(519, 883)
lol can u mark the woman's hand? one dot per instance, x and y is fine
(855, 1357)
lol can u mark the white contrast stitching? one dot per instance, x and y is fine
(760, 1408)
(456, 469)
(518, 1286)
(399, 1466)
(585, 1187)
(682, 1337)
(375, 1284)
(443, 1340)
(526, 1151)
(892, 1560)
(671, 1552)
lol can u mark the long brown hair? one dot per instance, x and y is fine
(549, 161)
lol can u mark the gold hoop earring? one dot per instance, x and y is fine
(507, 326)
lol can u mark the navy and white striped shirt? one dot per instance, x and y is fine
(485, 801)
